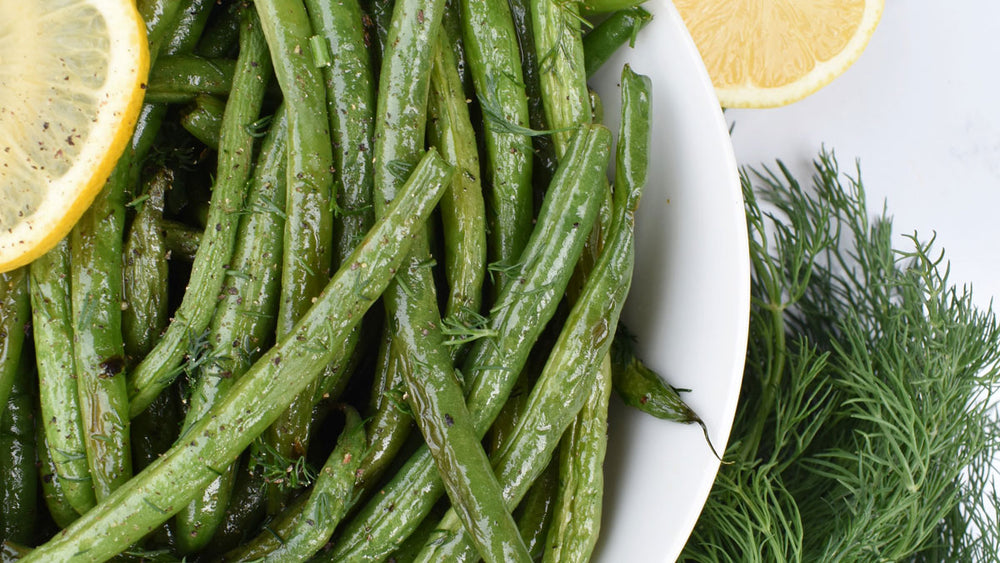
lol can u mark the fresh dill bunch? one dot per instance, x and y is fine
(865, 430)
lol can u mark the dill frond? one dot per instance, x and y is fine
(280, 471)
(866, 429)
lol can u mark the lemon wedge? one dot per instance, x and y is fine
(72, 74)
(769, 53)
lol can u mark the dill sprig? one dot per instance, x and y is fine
(465, 326)
(865, 430)
(278, 470)
(496, 120)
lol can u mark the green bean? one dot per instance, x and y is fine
(160, 17)
(495, 65)
(244, 513)
(263, 392)
(575, 362)
(609, 36)
(144, 313)
(491, 368)
(243, 320)
(245, 314)
(63, 514)
(96, 287)
(451, 24)
(14, 317)
(534, 514)
(181, 240)
(350, 99)
(203, 119)
(222, 33)
(309, 202)
(18, 474)
(98, 349)
(160, 366)
(462, 207)
(426, 366)
(399, 136)
(58, 395)
(306, 261)
(577, 518)
(390, 421)
(436, 397)
(403, 90)
(188, 26)
(545, 160)
(181, 78)
(642, 388)
(561, 72)
(328, 500)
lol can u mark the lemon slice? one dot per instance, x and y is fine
(768, 53)
(71, 84)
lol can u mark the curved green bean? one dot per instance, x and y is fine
(581, 351)
(242, 324)
(562, 75)
(145, 278)
(326, 503)
(495, 65)
(203, 119)
(51, 320)
(161, 365)
(462, 207)
(98, 348)
(179, 78)
(641, 388)
(309, 202)
(605, 39)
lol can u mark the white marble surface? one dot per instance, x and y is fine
(919, 111)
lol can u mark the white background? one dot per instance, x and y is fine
(919, 111)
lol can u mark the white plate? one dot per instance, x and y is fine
(689, 303)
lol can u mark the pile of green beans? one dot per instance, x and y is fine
(350, 294)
